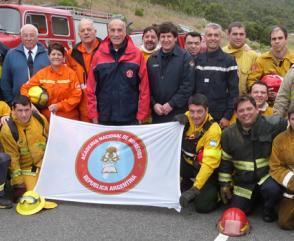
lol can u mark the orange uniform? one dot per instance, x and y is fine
(80, 61)
(63, 89)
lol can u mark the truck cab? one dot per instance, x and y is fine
(53, 24)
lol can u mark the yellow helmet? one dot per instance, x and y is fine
(30, 203)
(38, 96)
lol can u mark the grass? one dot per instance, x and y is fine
(152, 14)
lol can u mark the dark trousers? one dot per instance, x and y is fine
(4, 164)
(207, 200)
(270, 193)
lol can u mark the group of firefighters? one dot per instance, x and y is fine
(235, 105)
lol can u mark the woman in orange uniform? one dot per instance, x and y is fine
(61, 83)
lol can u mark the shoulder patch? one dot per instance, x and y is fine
(254, 68)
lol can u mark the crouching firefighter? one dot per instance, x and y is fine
(244, 170)
(200, 156)
(24, 139)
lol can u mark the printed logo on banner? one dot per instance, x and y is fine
(111, 162)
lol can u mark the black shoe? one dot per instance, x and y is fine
(5, 203)
(269, 215)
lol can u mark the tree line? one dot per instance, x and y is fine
(258, 15)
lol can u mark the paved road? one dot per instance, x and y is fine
(85, 222)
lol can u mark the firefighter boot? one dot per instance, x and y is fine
(5, 203)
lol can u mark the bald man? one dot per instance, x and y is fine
(118, 86)
(79, 59)
(22, 62)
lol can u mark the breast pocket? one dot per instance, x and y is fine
(265, 145)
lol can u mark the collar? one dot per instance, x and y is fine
(248, 131)
(199, 128)
(230, 50)
(264, 107)
(59, 72)
(149, 51)
(176, 51)
(290, 130)
(81, 47)
(215, 53)
(19, 123)
(289, 55)
(34, 51)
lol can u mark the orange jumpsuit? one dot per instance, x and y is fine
(63, 89)
(82, 68)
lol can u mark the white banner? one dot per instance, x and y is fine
(129, 165)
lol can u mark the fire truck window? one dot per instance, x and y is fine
(60, 26)
(39, 21)
(9, 21)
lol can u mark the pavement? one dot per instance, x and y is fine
(85, 222)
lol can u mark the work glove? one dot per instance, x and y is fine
(18, 191)
(226, 193)
(188, 196)
(182, 118)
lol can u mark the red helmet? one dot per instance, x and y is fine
(272, 81)
(233, 222)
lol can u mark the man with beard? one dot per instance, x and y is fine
(150, 41)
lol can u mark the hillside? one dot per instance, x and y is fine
(258, 15)
(152, 13)
(191, 13)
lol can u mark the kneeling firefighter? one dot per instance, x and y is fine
(200, 157)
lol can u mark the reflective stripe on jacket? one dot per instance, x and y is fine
(63, 89)
(245, 154)
(29, 150)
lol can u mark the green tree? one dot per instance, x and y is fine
(216, 12)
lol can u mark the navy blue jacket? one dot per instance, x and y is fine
(171, 81)
(15, 70)
(216, 77)
(118, 86)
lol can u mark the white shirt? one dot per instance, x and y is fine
(34, 53)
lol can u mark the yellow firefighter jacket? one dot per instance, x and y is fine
(210, 143)
(27, 153)
(282, 160)
(4, 109)
(245, 58)
(267, 64)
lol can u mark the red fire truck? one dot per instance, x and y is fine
(57, 24)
